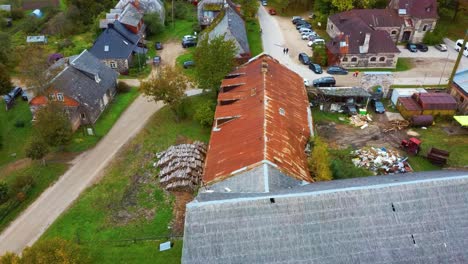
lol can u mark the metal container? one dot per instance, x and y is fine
(422, 120)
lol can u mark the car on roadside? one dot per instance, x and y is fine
(315, 68)
(313, 37)
(15, 92)
(378, 106)
(188, 64)
(304, 58)
(272, 11)
(304, 25)
(307, 83)
(158, 46)
(264, 3)
(350, 109)
(307, 36)
(422, 47)
(189, 43)
(305, 30)
(441, 47)
(327, 81)
(298, 20)
(189, 37)
(411, 47)
(317, 41)
(335, 69)
(157, 60)
(295, 18)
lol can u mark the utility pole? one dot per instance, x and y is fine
(457, 62)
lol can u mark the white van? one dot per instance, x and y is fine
(458, 46)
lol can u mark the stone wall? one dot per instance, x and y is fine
(370, 79)
(369, 60)
(421, 26)
(119, 65)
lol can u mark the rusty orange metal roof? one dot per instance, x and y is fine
(42, 100)
(268, 122)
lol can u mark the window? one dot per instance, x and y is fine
(382, 59)
(425, 28)
(345, 59)
(331, 26)
(83, 116)
(353, 59)
(113, 64)
(52, 97)
(60, 97)
(394, 32)
(373, 59)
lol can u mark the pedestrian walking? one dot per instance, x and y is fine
(356, 73)
(284, 50)
(287, 50)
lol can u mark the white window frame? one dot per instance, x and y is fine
(113, 64)
(60, 97)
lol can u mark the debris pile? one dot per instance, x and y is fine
(397, 125)
(380, 160)
(181, 166)
(360, 120)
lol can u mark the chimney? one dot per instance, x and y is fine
(264, 66)
(365, 47)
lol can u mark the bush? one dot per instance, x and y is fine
(19, 123)
(204, 113)
(123, 87)
(153, 24)
(320, 55)
(432, 38)
(20, 184)
(3, 192)
(17, 13)
(36, 149)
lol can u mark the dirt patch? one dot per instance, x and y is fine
(14, 166)
(182, 198)
(170, 52)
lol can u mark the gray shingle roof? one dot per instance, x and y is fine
(78, 80)
(147, 6)
(131, 16)
(120, 42)
(233, 27)
(411, 218)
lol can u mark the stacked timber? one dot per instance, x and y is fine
(181, 166)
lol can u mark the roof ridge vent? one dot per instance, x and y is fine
(264, 66)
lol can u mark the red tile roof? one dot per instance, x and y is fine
(270, 122)
(436, 101)
(419, 8)
(409, 104)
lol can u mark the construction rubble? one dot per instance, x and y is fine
(181, 166)
(360, 120)
(380, 160)
(397, 125)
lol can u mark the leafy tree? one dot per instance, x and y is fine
(343, 5)
(320, 55)
(248, 8)
(214, 59)
(153, 24)
(5, 43)
(52, 125)
(37, 149)
(86, 10)
(5, 80)
(319, 161)
(204, 113)
(34, 68)
(169, 86)
(55, 250)
(3, 194)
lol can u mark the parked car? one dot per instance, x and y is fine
(411, 47)
(335, 69)
(24, 96)
(264, 3)
(317, 41)
(188, 64)
(295, 18)
(189, 43)
(158, 46)
(422, 47)
(441, 47)
(272, 11)
(458, 47)
(328, 81)
(314, 37)
(307, 83)
(378, 106)
(315, 68)
(157, 60)
(304, 25)
(299, 21)
(15, 92)
(304, 58)
(307, 36)
(189, 37)
(305, 30)
(350, 109)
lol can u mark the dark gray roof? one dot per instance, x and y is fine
(233, 27)
(410, 218)
(86, 79)
(131, 16)
(120, 42)
(344, 91)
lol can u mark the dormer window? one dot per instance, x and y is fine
(52, 97)
(106, 48)
(60, 97)
(227, 102)
(97, 79)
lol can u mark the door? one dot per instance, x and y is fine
(406, 36)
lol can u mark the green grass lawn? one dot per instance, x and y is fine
(453, 30)
(343, 168)
(81, 142)
(14, 138)
(190, 72)
(403, 64)
(254, 37)
(90, 221)
(176, 32)
(44, 176)
(324, 116)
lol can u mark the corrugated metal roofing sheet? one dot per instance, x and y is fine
(271, 123)
(409, 104)
(436, 101)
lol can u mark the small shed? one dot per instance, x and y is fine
(36, 39)
(436, 103)
(405, 92)
(341, 94)
(408, 107)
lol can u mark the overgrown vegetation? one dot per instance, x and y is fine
(342, 167)
(254, 36)
(94, 220)
(319, 160)
(320, 55)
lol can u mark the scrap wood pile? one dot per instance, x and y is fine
(397, 125)
(380, 160)
(181, 166)
(360, 120)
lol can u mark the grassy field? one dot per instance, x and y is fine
(324, 116)
(254, 37)
(81, 142)
(190, 72)
(434, 86)
(176, 32)
(14, 138)
(43, 177)
(91, 220)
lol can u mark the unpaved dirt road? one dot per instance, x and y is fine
(86, 169)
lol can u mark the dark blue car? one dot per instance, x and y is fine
(315, 68)
(411, 47)
(337, 70)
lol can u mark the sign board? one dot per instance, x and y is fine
(90, 131)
